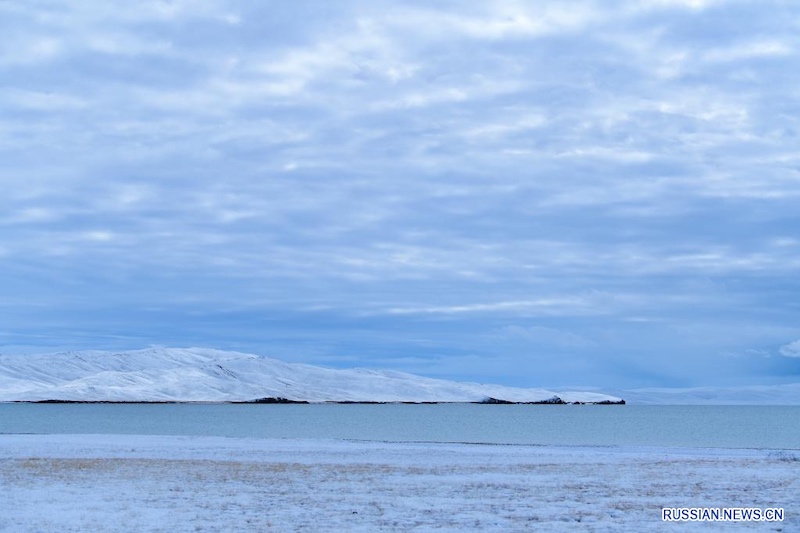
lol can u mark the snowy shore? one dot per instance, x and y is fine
(176, 484)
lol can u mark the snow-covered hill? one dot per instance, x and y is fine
(205, 375)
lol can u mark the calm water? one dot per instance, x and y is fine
(703, 426)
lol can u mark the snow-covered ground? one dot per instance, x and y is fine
(76, 483)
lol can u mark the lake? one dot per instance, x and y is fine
(593, 425)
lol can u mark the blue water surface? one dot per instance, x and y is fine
(695, 426)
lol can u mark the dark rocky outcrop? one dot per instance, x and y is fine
(493, 401)
(273, 399)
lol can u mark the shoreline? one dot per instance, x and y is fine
(285, 401)
(15, 445)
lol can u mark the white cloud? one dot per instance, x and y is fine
(687, 4)
(30, 215)
(127, 44)
(31, 50)
(790, 350)
(518, 121)
(499, 20)
(98, 236)
(748, 50)
(544, 306)
(42, 100)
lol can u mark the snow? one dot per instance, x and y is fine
(206, 375)
(113, 483)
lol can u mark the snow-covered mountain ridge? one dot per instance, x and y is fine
(206, 375)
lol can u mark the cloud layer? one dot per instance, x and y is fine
(543, 194)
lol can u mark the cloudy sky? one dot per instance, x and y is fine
(543, 193)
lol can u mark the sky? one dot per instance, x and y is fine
(550, 193)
